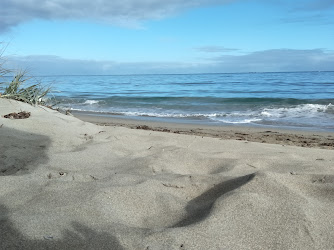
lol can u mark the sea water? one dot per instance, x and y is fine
(297, 100)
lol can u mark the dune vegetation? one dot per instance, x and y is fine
(18, 88)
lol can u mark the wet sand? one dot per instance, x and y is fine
(302, 138)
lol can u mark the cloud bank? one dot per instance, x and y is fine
(276, 60)
(316, 5)
(120, 12)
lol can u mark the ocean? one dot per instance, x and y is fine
(293, 100)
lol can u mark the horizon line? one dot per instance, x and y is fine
(216, 73)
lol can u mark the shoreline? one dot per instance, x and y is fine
(285, 137)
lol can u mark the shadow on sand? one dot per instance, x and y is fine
(20, 151)
(199, 208)
(79, 237)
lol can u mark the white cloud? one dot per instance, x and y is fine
(14, 12)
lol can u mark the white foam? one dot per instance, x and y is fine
(91, 102)
(266, 114)
(245, 121)
(303, 110)
(304, 115)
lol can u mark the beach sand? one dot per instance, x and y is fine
(303, 138)
(70, 184)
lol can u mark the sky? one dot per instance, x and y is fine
(102, 37)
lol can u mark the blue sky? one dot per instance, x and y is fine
(154, 36)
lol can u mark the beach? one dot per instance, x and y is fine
(272, 135)
(104, 183)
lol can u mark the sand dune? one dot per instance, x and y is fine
(69, 184)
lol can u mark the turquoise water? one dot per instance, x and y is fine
(302, 100)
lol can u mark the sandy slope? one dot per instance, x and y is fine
(67, 184)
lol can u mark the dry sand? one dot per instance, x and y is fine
(69, 184)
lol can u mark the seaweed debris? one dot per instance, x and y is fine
(20, 115)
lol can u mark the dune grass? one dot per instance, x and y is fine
(34, 94)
